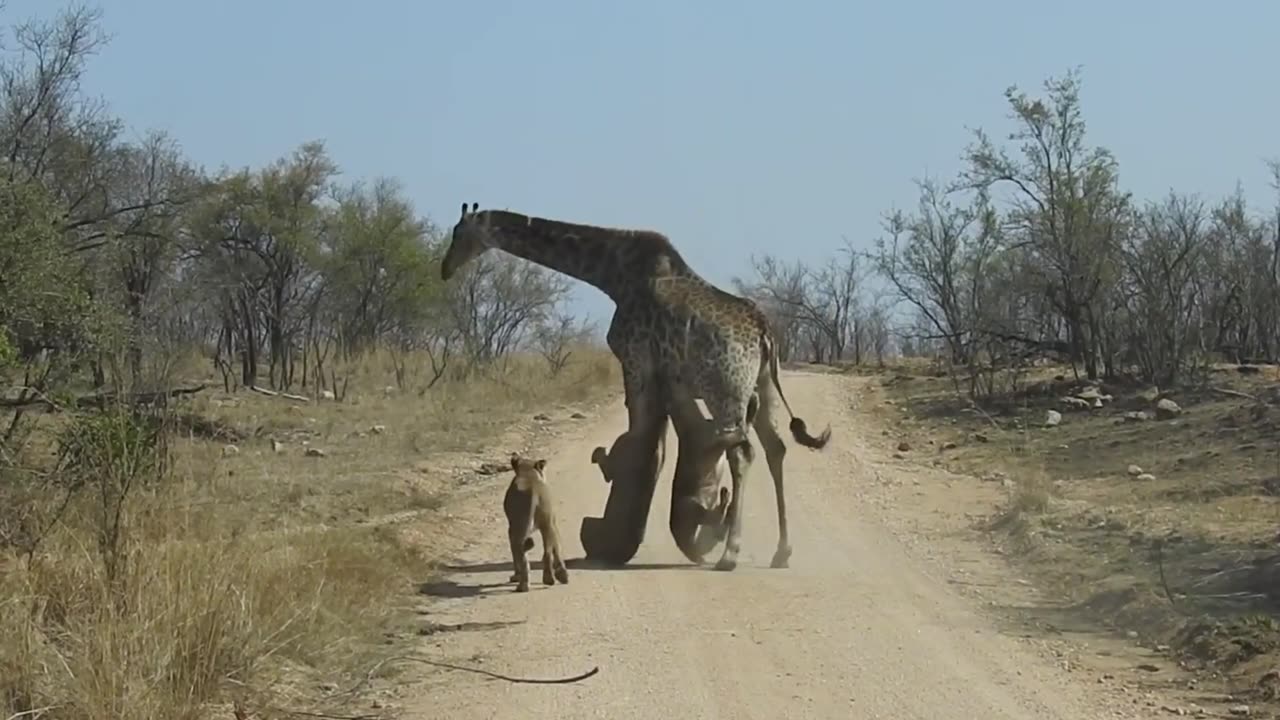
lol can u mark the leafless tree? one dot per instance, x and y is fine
(558, 336)
(1066, 212)
(497, 302)
(818, 310)
(937, 261)
(1164, 257)
(781, 289)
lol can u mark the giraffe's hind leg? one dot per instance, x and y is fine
(775, 450)
(728, 389)
(740, 457)
(740, 454)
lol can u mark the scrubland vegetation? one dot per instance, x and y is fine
(222, 393)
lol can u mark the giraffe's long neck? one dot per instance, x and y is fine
(605, 258)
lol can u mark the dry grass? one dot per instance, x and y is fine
(1187, 558)
(257, 577)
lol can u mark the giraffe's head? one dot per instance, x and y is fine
(470, 238)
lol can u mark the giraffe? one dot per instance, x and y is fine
(719, 347)
(616, 262)
(671, 326)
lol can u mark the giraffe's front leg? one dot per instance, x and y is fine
(634, 462)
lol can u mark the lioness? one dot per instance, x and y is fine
(527, 505)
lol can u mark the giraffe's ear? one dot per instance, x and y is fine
(515, 462)
(539, 465)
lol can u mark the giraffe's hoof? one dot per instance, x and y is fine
(562, 576)
(523, 587)
(727, 564)
(781, 558)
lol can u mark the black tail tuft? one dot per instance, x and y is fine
(802, 436)
(528, 544)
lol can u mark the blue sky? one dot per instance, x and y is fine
(733, 127)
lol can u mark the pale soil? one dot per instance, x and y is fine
(894, 605)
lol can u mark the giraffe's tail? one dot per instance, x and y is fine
(799, 430)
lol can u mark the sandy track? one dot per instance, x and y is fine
(857, 627)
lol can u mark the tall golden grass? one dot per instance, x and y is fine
(245, 577)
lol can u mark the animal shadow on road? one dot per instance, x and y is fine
(437, 628)
(581, 563)
(444, 588)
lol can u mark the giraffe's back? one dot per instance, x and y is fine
(714, 342)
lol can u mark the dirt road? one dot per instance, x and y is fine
(860, 625)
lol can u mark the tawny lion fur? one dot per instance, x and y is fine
(528, 506)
